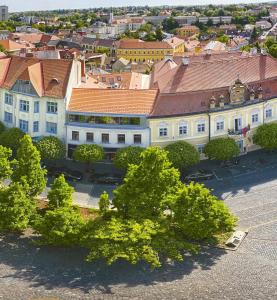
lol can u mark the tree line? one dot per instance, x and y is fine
(152, 216)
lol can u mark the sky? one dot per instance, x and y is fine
(25, 5)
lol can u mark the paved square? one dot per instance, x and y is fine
(29, 272)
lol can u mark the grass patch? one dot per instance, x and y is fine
(218, 239)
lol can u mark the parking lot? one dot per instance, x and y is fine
(31, 272)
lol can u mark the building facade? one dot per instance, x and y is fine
(4, 15)
(140, 51)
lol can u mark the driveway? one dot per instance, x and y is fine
(31, 272)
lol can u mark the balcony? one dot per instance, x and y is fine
(243, 131)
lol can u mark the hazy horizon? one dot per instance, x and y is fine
(32, 5)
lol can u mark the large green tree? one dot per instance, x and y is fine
(60, 194)
(11, 137)
(16, 209)
(199, 214)
(2, 127)
(5, 164)
(61, 224)
(266, 136)
(88, 153)
(134, 241)
(221, 149)
(126, 156)
(182, 154)
(50, 147)
(273, 50)
(28, 167)
(145, 191)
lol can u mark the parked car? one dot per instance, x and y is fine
(70, 175)
(108, 180)
(199, 176)
(230, 163)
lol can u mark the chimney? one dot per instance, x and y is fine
(185, 60)
(83, 70)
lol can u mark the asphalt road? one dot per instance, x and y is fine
(29, 272)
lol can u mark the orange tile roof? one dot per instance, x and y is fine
(10, 45)
(113, 101)
(203, 74)
(188, 89)
(41, 72)
(138, 44)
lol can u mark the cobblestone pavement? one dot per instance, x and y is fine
(28, 272)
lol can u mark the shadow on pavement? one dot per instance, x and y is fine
(65, 268)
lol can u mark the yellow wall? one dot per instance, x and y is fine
(227, 116)
(140, 55)
(185, 32)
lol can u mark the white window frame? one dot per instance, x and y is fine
(24, 105)
(267, 109)
(255, 118)
(8, 99)
(163, 132)
(202, 126)
(51, 107)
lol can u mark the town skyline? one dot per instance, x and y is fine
(32, 5)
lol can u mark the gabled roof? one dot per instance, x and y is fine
(49, 77)
(138, 44)
(113, 101)
(10, 45)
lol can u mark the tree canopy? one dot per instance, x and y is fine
(266, 136)
(182, 154)
(221, 149)
(5, 164)
(88, 153)
(2, 127)
(11, 137)
(50, 147)
(28, 167)
(126, 156)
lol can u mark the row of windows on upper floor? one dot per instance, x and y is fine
(24, 105)
(105, 138)
(219, 125)
(51, 127)
(149, 52)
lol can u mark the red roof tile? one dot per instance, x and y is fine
(113, 101)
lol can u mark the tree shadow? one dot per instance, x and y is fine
(66, 267)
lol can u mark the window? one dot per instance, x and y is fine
(52, 107)
(75, 136)
(24, 125)
(8, 99)
(36, 107)
(219, 125)
(105, 138)
(163, 131)
(121, 138)
(200, 148)
(24, 105)
(201, 127)
(137, 138)
(36, 126)
(8, 117)
(90, 137)
(255, 118)
(183, 129)
(51, 127)
(268, 113)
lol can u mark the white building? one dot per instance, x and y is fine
(112, 118)
(34, 94)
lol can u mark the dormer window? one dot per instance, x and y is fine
(24, 87)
